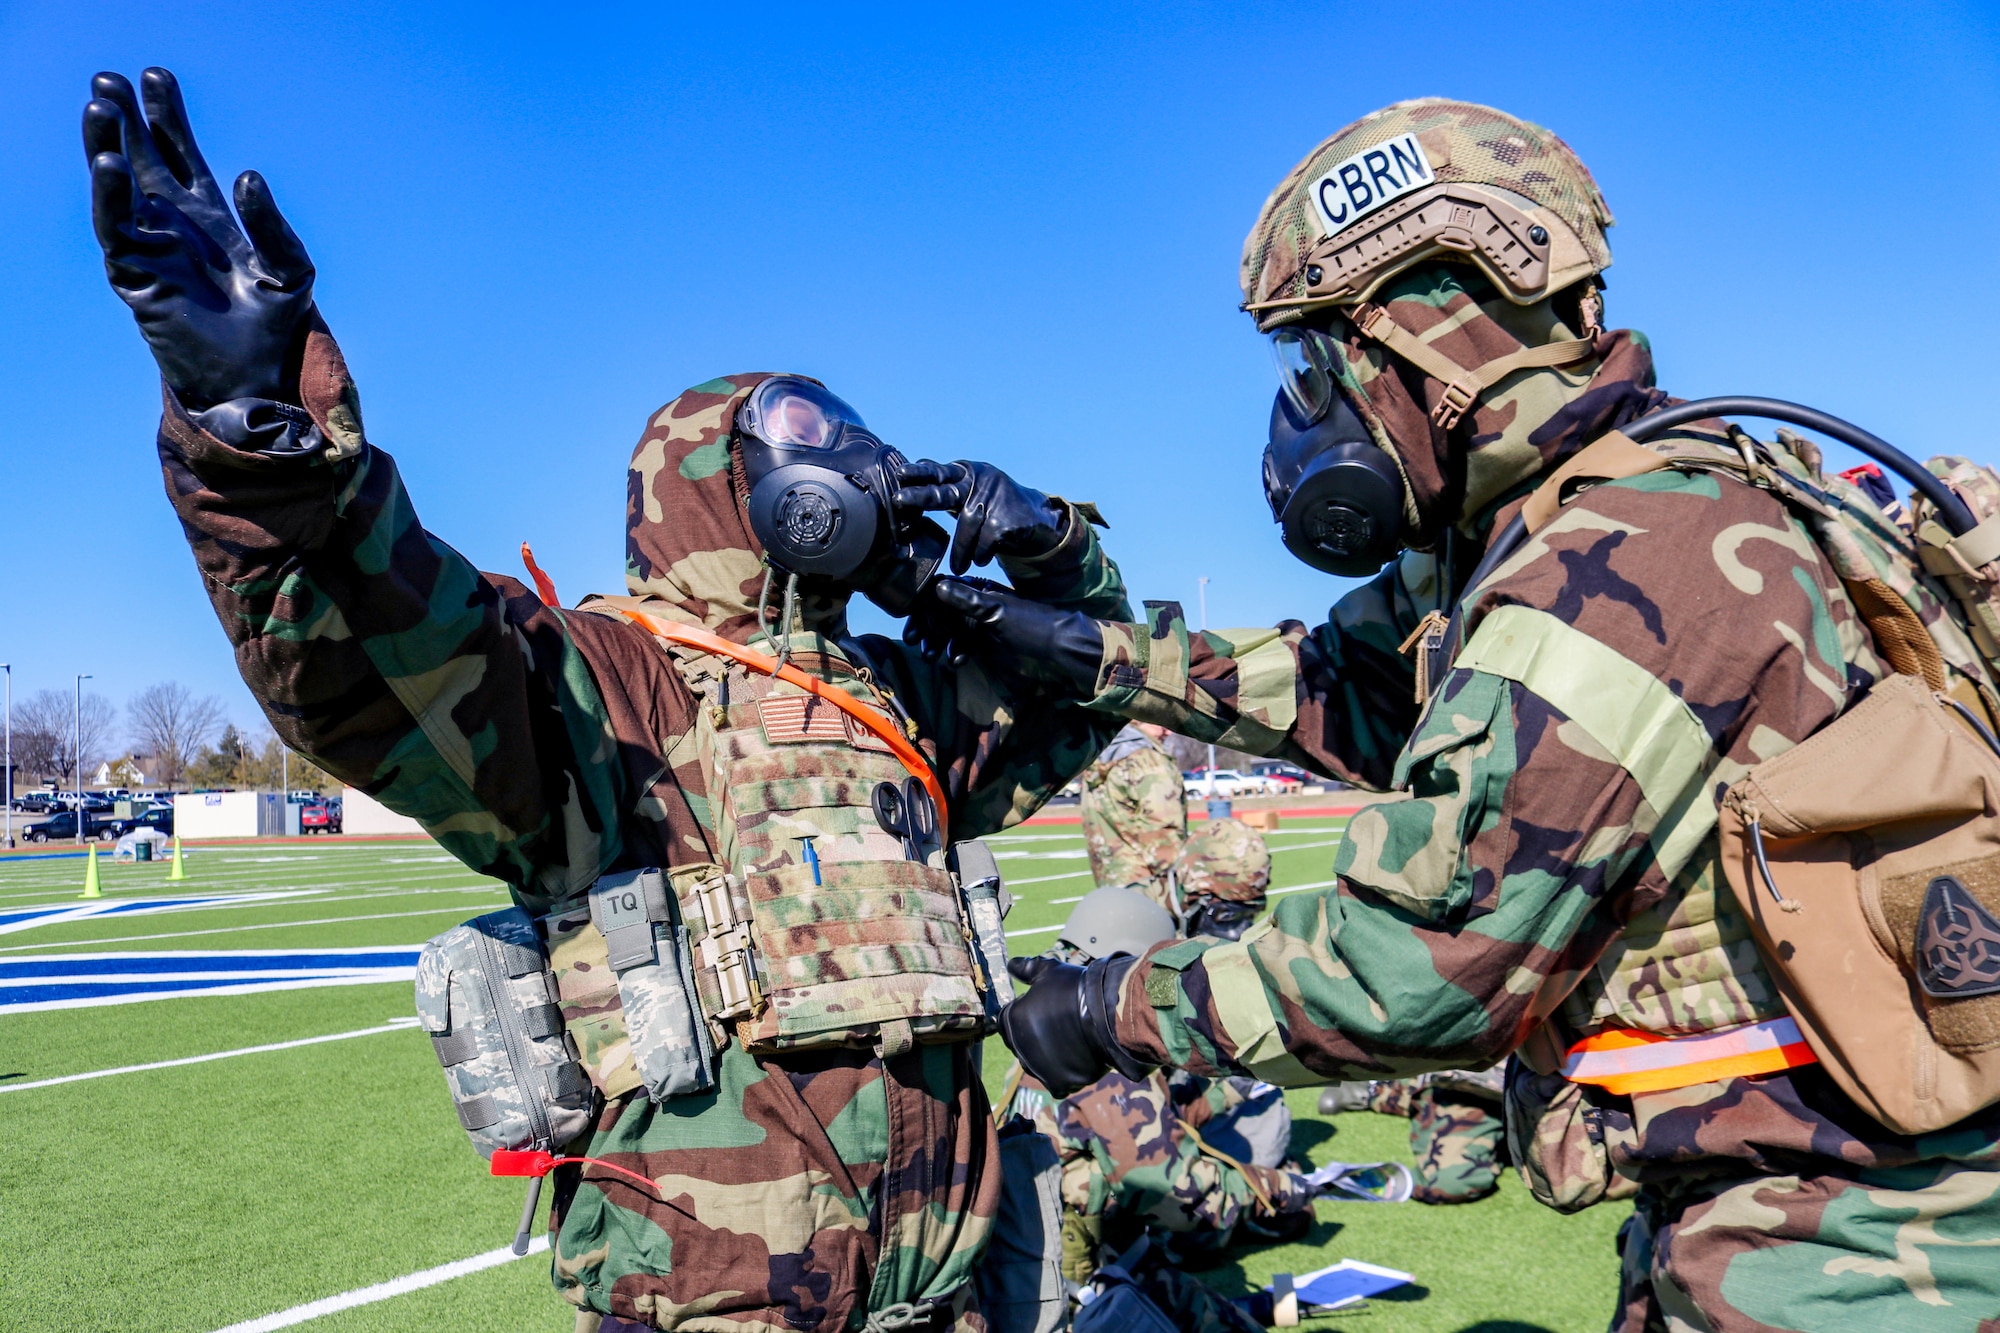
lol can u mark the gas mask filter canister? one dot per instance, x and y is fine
(1337, 497)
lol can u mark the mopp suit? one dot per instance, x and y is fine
(1554, 877)
(547, 747)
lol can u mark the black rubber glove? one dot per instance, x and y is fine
(224, 308)
(996, 514)
(1064, 1029)
(957, 620)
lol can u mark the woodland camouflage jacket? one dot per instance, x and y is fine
(1556, 858)
(540, 746)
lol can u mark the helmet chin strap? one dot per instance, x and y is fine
(1462, 384)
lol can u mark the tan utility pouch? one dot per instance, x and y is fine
(1879, 916)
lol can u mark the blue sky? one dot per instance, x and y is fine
(1008, 234)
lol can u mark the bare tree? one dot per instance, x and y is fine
(172, 724)
(45, 734)
(39, 721)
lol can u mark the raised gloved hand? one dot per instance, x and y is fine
(961, 619)
(224, 308)
(1064, 1029)
(996, 514)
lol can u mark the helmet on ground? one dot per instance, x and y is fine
(1116, 920)
(1417, 180)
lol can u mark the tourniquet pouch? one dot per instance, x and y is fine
(625, 980)
(980, 884)
(1020, 1280)
(486, 997)
(1882, 837)
(857, 943)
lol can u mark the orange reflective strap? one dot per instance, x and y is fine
(900, 745)
(545, 587)
(1625, 1061)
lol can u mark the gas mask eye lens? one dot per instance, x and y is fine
(787, 412)
(1304, 370)
(795, 421)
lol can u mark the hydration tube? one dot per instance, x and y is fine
(1951, 510)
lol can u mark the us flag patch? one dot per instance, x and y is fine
(799, 718)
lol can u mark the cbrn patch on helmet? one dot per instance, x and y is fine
(1523, 180)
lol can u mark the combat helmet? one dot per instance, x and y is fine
(1116, 920)
(1417, 180)
(1225, 859)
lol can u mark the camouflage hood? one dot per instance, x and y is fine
(688, 540)
(1515, 431)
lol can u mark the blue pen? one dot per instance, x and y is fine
(812, 856)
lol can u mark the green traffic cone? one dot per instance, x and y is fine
(177, 872)
(90, 888)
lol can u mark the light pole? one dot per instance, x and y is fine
(8, 782)
(1204, 629)
(76, 757)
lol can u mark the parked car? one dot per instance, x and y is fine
(61, 827)
(159, 817)
(1227, 782)
(320, 817)
(1289, 777)
(35, 802)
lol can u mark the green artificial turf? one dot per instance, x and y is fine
(193, 1197)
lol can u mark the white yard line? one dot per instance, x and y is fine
(1035, 930)
(393, 1025)
(382, 1291)
(1308, 846)
(266, 925)
(1045, 879)
(1301, 888)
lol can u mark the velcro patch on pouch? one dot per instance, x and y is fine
(1958, 943)
(800, 718)
(1944, 921)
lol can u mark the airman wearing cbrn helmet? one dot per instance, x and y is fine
(1580, 628)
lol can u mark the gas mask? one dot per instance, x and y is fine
(820, 484)
(1336, 494)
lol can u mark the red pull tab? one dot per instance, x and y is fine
(514, 1162)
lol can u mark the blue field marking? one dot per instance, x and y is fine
(79, 980)
(62, 913)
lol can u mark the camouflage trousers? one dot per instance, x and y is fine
(1914, 1249)
(804, 1193)
(1458, 1139)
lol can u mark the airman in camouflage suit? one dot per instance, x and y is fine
(1553, 872)
(1134, 1156)
(1135, 815)
(545, 747)
(1457, 1128)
